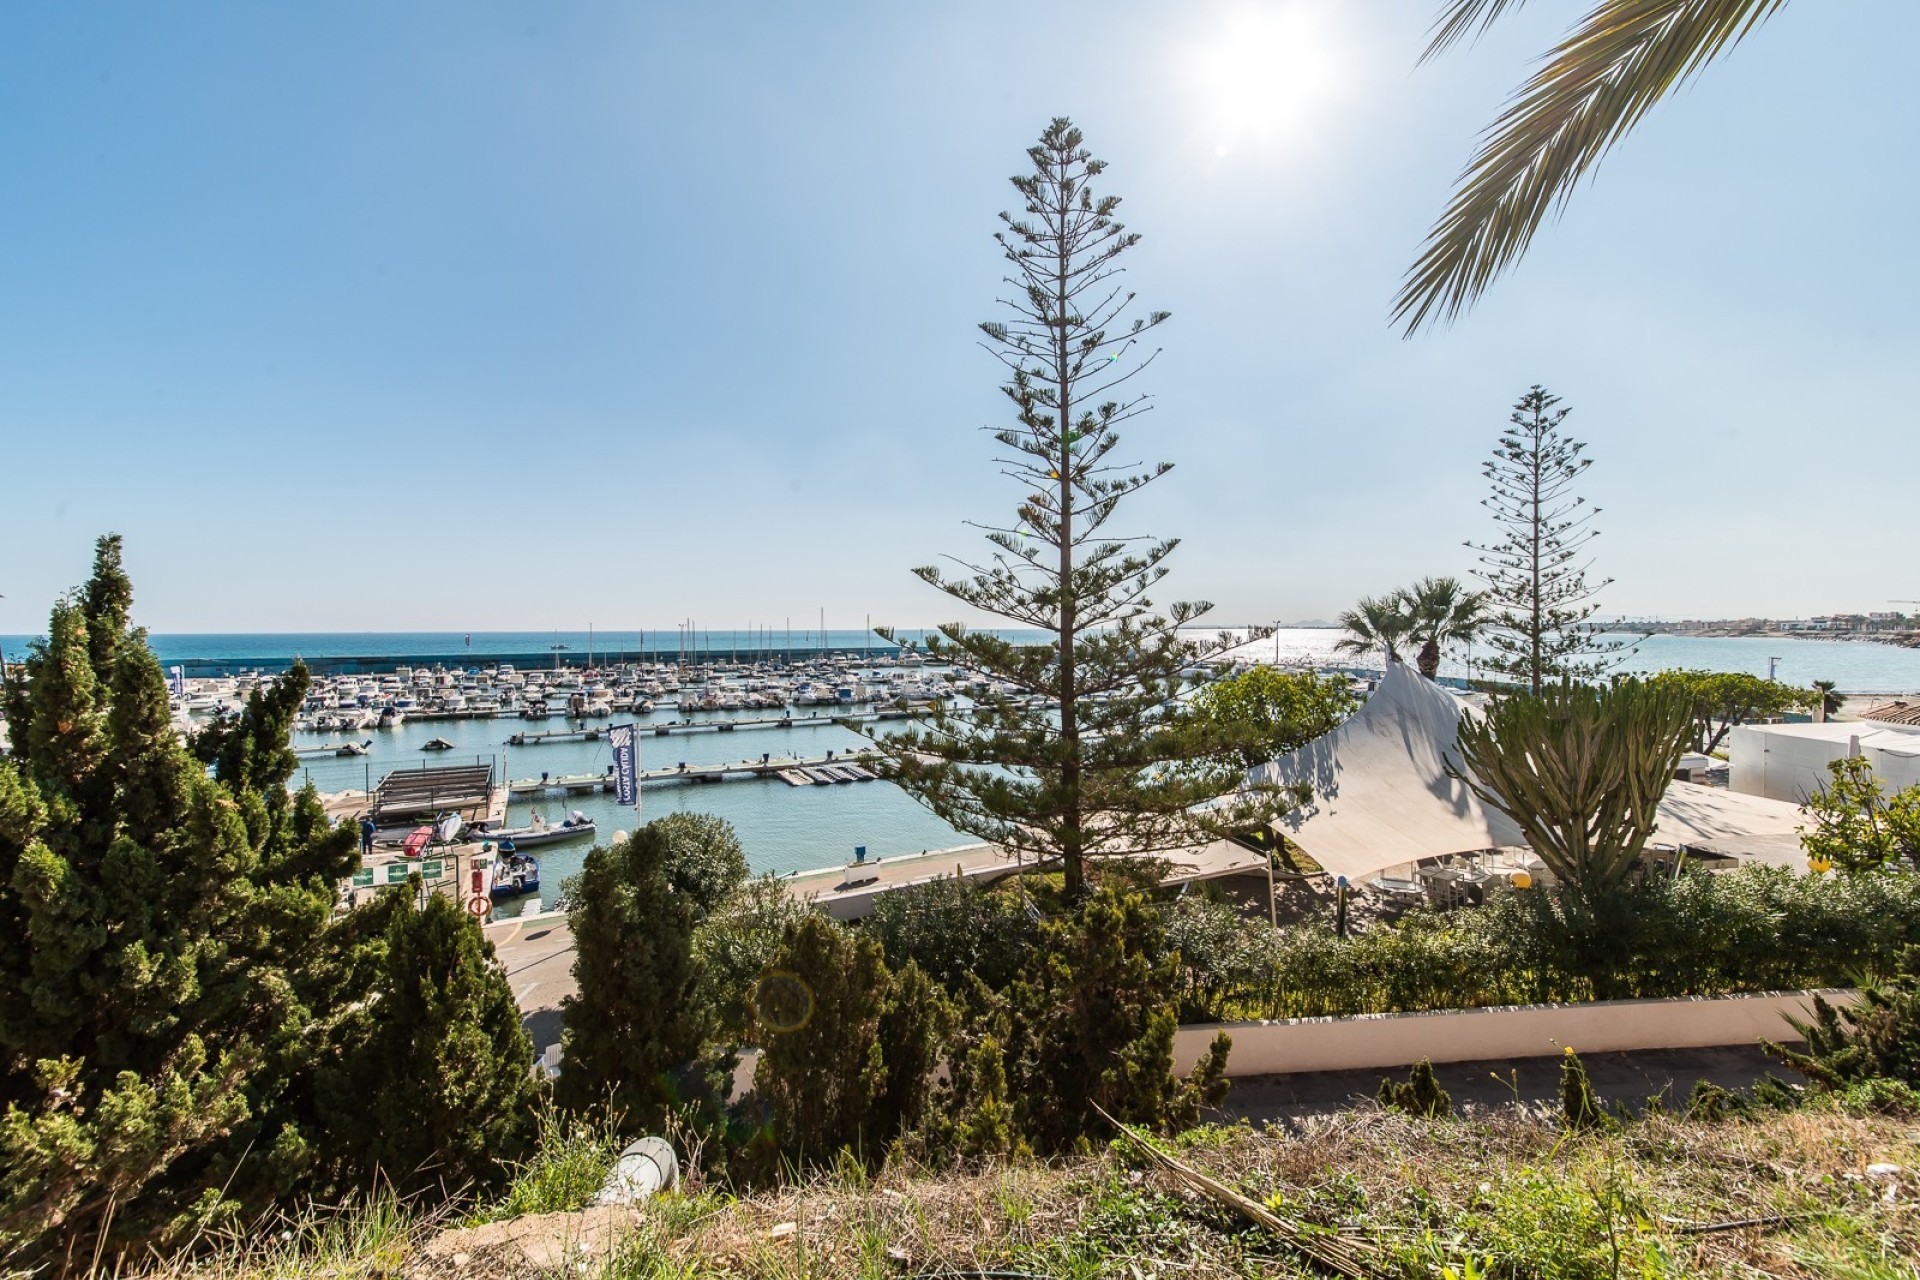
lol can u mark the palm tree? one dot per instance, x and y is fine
(1382, 624)
(1440, 612)
(1592, 89)
(1829, 700)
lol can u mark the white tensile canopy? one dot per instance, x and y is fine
(1385, 794)
(1715, 820)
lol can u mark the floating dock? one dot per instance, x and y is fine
(714, 726)
(333, 749)
(408, 797)
(555, 735)
(793, 771)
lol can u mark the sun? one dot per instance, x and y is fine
(1264, 74)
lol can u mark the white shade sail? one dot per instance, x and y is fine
(1385, 794)
(1382, 793)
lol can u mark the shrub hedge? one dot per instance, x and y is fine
(1702, 934)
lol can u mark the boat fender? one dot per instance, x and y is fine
(645, 1169)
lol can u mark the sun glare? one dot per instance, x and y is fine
(1264, 75)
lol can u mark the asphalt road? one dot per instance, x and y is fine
(537, 952)
(1627, 1078)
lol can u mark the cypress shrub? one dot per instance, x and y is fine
(168, 956)
(436, 1089)
(848, 1050)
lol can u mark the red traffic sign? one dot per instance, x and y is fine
(478, 905)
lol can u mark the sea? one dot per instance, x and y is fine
(784, 828)
(1856, 666)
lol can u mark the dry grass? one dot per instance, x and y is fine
(1508, 1191)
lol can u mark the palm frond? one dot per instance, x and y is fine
(1465, 19)
(1601, 80)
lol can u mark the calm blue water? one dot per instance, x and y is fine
(1855, 666)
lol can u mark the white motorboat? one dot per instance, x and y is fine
(538, 832)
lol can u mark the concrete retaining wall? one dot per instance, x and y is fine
(1518, 1031)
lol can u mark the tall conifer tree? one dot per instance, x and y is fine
(172, 979)
(1081, 763)
(152, 1010)
(1539, 602)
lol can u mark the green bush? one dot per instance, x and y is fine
(1419, 1095)
(733, 946)
(1093, 1025)
(703, 855)
(1877, 1039)
(1579, 1107)
(953, 927)
(848, 1049)
(570, 1161)
(1880, 1097)
(634, 1028)
(1706, 934)
(1711, 1102)
(433, 1087)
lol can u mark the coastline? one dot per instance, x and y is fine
(1709, 631)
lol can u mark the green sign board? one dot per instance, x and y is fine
(397, 873)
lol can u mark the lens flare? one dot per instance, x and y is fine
(783, 1001)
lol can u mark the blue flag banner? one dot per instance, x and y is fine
(626, 781)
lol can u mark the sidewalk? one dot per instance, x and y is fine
(1628, 1078)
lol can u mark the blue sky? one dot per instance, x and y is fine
(630, 313)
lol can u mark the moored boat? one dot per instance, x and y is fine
(514, 873)
(539, 832)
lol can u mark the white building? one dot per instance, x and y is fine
(1789, 761)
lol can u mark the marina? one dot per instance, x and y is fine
(814, 817)
(808, 817)
(377, 653)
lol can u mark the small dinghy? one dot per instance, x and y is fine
(514, 873)
(437, 744)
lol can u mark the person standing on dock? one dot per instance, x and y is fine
(366, 837)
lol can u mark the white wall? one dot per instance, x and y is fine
(1523, 1031)
(1780, 766)
(1789, 762)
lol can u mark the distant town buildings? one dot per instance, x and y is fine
(1880, 621)
(1875, 623)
